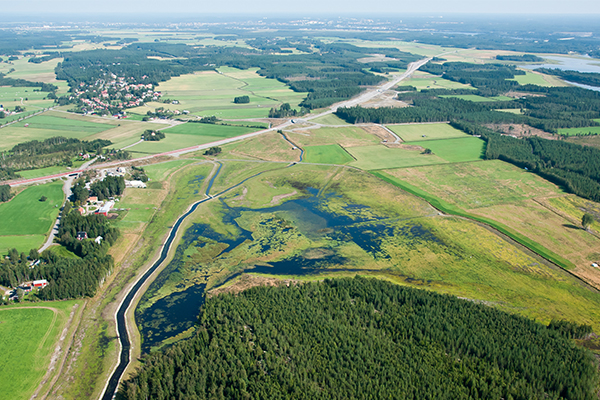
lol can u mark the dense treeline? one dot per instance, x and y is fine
(151, 135)
(39, 154)
(109, 187)
(5, 194)
(94, 225)
(44, 87)
(519, 58)
(363, 339)
(241, 99)
(67, 277)
(283, 111)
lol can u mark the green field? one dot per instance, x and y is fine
(211, 93)
(587, 130)
(381, 157)
(217, 131)
(29, 337)
(477, 99)
(63, 124)
(414, 132)
(456, 150)
(25, 97)
(188, 135)
(47, 125)
(327, 154)
(533, 78)
(25, 215)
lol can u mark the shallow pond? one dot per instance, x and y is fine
(310, 217)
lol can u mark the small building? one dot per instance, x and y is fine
(98, 240)
(82, 235)
(105, 209)
(81, 210)
(40, 284)
(135, 184)
(93, 199)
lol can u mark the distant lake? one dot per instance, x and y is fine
(566, 63)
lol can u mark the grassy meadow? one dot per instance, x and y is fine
(511, 198)
(585, 131)
(269, 146)
(22, 232)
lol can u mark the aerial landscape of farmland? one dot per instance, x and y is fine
(299, 207)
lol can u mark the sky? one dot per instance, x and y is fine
(303, 8)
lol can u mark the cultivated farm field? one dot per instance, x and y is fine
(24, 233)
(209, 93)
(29, 336)
(327, 154)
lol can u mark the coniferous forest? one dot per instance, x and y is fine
(364, 339)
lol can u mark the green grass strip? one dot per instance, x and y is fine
(448, 208)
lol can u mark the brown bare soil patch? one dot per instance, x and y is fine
(385, 99)
(247, 281)
(379, 131)
(404, 146)
(593, 141)
(277, 199)
(521, 131)
(589, 274)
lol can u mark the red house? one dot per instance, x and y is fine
(42, 283)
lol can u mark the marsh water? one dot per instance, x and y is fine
(177, 312)
(581, 64)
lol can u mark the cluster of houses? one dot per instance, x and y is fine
(116, 92)
(26, 287)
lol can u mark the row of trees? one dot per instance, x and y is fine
(5, 194)
(364, 339)
(56, 150)
(151, 135)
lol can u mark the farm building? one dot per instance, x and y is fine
(105, 209)
(40, 284)
(135, 184)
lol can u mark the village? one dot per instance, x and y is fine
(116, 93)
